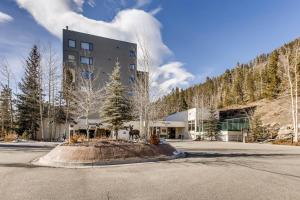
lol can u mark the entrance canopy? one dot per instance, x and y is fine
(173, 124)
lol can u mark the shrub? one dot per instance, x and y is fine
(286, 141)
(9, 137)
(77, 138)
(26, 135)
(154, 139)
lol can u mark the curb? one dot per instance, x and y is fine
(109, 163)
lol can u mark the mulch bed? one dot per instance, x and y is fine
(106, 150)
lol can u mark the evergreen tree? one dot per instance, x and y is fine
(272, 78)
(238, 91)
(5, 110)
(182, 102)
(257, 129)
(28, 101)
(211, 126)
(116, 107)
(177, 99)
(227, 79)
(250, 86)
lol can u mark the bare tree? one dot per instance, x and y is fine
(51, 79)
(6, 76)
(198, 101)
(145, 94)
(289, 59)
(85, 98)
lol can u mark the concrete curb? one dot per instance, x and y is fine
(109, 163)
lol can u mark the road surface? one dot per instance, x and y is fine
(212, 170)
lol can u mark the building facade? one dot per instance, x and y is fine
(88, 56)
(191, 124)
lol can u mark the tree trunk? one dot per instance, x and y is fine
(41, 115)
(116, 134)
(87, 127)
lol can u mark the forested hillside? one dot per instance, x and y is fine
(265, 77)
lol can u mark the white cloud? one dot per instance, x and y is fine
(156, 10)
(92, 3)
(5, 17)
(79, 4)
(141, 3)
(129, 25)
(172, 74)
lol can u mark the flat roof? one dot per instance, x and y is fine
(91, 35)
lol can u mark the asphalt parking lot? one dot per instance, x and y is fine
(212, 170)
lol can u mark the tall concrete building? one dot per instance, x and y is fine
(87, 56)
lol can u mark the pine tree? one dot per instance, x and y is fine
(256, 128)
(250, 86)
(212, 127)
(28, 101)
(238, 90)
(116, 107)
(227, 88)
(182, 102)
(272, 78)
(5, 109)
(177, 99)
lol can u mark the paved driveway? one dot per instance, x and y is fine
(213, 170)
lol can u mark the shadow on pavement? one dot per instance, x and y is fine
(215, 155)
(19, 165)
(25, 148)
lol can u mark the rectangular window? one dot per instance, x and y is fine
(131, 79)
(86, 60)
(71, 58)
(87, 75)
(72, 43)
(132, 66)
(130, 93)
(191, 125)
(132, 53)
(86, 46)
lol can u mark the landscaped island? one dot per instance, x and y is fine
(105, 152)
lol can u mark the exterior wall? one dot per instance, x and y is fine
(197, 115)
(224, 136)
(193, 114)
(163, 128)
(56, 134)
(231, 136)
(105, 53)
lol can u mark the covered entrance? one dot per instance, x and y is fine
(168, 129)
(172, 133)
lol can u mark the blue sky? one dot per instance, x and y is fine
(205, 37)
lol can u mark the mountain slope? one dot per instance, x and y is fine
(260, 82)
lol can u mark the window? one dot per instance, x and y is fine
(132, 66)
(132, 53)
(86, 46)
(71, 58)
(72, 43)
(130, 93)
(191, 125)
(86, 60)
(87, 75)
(131, 79)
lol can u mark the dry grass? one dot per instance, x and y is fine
(77, 138)
(9, 137)
(154, 139)
(286, 142)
